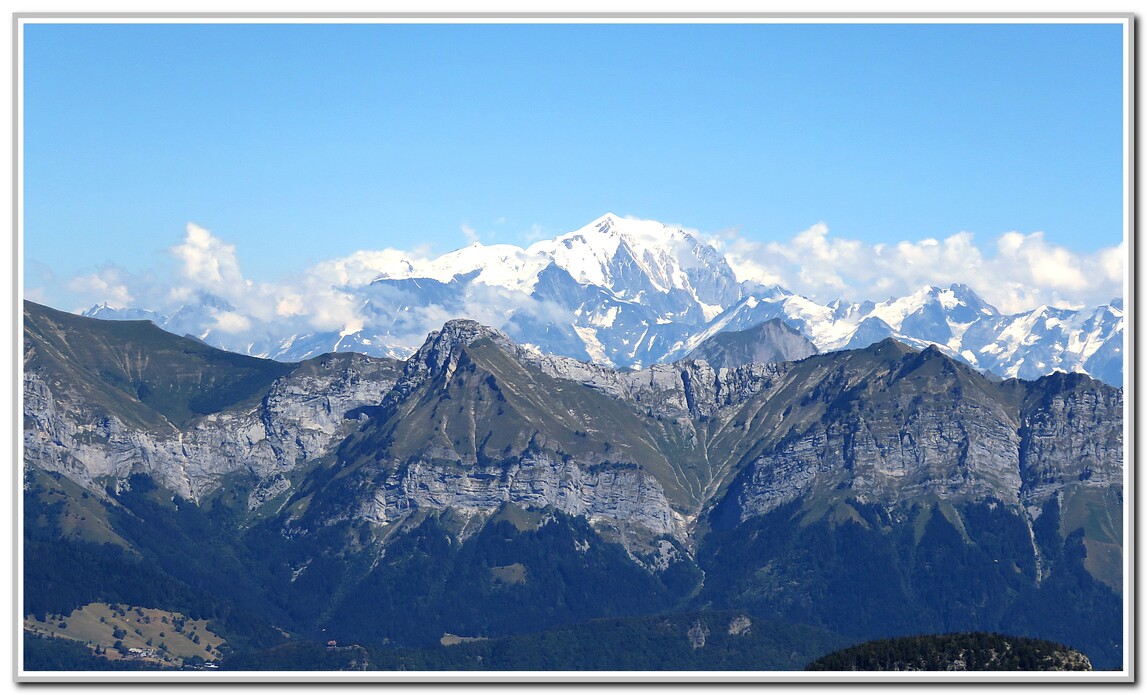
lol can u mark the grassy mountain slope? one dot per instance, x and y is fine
(137, 370)
(490, 408)
(879, 535)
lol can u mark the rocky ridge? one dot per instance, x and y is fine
(475, 421)
(884, 425)
(624, 499)
(95, 442)
(298, 421)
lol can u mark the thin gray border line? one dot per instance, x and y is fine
(575, 678)
(18, 316)
(16, 286)
(574, 15)
(446, 677)
(1131, 408)
(17, 363)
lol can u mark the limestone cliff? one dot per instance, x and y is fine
(473, 421)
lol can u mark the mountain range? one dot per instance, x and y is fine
(629, 293)
(483, 489)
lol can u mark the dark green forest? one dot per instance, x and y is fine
(975, 651)
(557, 595)
(694, 641)
(876, 578)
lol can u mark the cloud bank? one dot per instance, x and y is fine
(1016, 272)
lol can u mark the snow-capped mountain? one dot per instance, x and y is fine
(1025, 345)
(624, 292)
(1046, 339)
(617, 291)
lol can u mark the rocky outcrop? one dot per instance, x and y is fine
(439, 354)
(890, 462)
(884, 424)
(934, 429)
(1071, 432)
(689, 388)
(615, 496)
(300, 419)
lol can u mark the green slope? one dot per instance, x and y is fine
(490, 408)
(138, 371)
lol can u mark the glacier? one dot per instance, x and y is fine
(630, 293)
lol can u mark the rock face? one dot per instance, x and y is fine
(95, 441)
(1070, 433)
(474, 421)
(924, 428)
(612, 497)
(298, 421)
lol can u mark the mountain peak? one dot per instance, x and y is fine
(627, 291)
(771, 341)
(605, 222)
(631, 258)
(440, 353)
(889, 347)
(461, 332)
(635, 231)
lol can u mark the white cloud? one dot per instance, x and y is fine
(315, 300)
(231, 322)
(290, 305)
(330, 310)
(207, 261)
(1021, 272)
(1015, 272)
(470, 234)
(362, 267)
(108, 285)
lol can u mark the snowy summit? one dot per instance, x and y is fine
(627, 292)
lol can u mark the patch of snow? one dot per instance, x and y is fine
(894, 311)
(607, 319)
(593, 346)
(710, 311)
(948, 299)
(956, 342)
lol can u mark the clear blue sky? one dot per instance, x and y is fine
(302, 143)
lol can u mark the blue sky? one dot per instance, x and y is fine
(301, 143)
